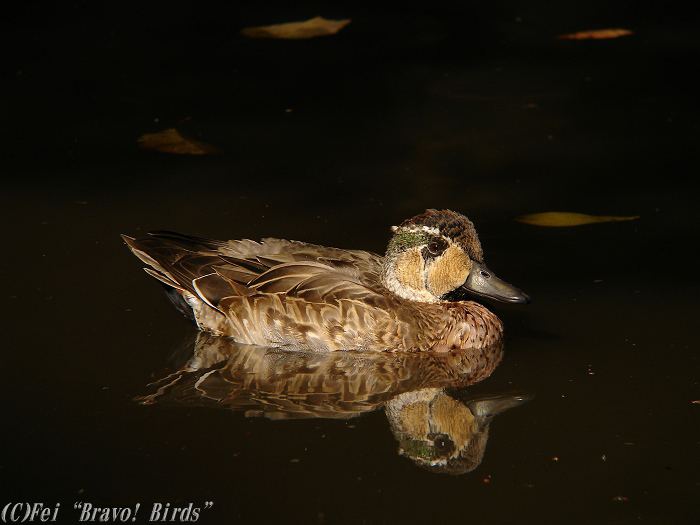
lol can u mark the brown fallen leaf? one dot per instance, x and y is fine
(172, 141)
(596, 34)
(314, 27)
(561, 218)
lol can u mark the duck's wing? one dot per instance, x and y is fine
(213, 270)
(317, 281)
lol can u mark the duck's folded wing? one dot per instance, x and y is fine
(213, 270)
(194, 265)
(318, 281)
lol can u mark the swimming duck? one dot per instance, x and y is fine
(303, 296)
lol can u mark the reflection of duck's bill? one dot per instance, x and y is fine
(484, 408)
(483, 282)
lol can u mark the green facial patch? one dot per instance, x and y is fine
(406, 239)
(417, 449)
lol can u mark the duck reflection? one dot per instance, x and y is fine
(436, 424)
(442, 433)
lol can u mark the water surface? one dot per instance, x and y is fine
(474, 108)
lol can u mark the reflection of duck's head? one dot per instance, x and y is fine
(441, 433)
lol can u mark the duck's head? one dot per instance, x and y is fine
(436, 256)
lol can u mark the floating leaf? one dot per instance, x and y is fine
(561, 218)
(317, 26)
(596, 34)
(172, 141)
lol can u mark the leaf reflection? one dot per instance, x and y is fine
(439, 429)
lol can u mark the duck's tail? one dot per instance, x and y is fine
(184, 264)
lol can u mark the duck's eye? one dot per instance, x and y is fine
(444, 445)
(437, 246)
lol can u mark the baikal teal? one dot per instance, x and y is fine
(294, 295)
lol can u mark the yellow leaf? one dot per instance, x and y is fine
(596, 34)
(562, 218)
(317, 26)
(171, 141)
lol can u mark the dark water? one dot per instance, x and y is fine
(476, 108)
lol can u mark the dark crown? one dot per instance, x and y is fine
(454, 226)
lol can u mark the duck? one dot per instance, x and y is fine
(419, 297)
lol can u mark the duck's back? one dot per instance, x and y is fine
(275, 292)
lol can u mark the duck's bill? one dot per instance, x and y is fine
(483, 282)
